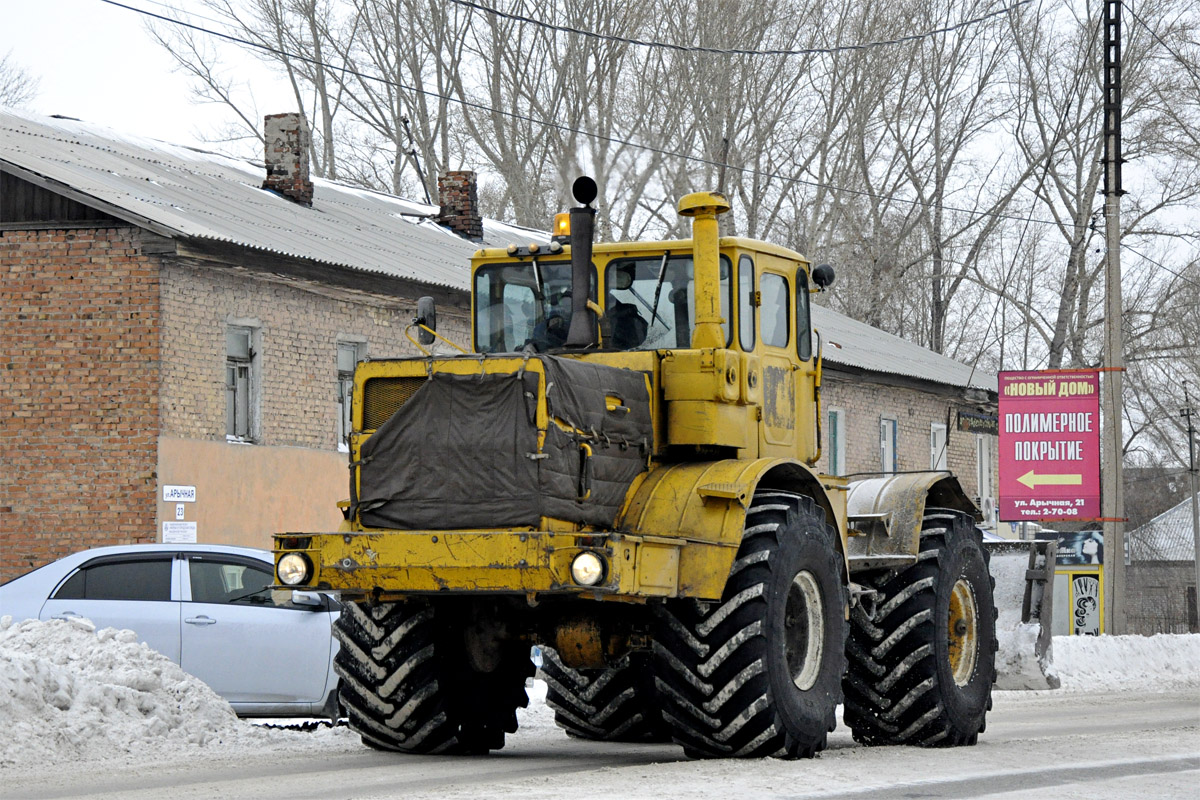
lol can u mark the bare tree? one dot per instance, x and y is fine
(17, 86)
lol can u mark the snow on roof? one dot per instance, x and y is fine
(856, 344)
(1167, 537)
(187, 192)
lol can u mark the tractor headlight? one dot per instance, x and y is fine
(587, 569)
(294, 569)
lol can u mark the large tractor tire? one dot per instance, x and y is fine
(407, 683)
(759, 673)
(616, 704)
(921, 672)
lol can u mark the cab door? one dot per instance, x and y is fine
(808, 407)
(778, 431)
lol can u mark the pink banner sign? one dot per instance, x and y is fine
(1049, 445)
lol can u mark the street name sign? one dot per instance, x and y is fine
(1049, 445)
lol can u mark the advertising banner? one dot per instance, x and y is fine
(1049, 445)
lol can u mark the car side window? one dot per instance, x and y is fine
(234, 583)
(141, 579)
(225, 582)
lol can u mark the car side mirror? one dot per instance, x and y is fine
(312, 600)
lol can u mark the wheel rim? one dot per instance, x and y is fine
(804, 630)
(963, 632)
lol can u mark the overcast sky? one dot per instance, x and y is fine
(98, 63)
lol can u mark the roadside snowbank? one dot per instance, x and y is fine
(69, 694)
(1161, 663)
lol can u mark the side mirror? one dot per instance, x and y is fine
(427, 316)
(822, 276)
(311, 599)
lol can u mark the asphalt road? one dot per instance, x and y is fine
(1037, 745)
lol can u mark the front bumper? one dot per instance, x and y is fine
(384, 563)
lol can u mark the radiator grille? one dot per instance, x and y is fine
(383, 396)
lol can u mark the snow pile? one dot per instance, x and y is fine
(1160, 663)
(68, 692)
(1018, 665)
(538, 716)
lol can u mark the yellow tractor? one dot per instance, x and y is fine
(621, 472)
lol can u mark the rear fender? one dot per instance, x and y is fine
(884, 515)
(706, 503)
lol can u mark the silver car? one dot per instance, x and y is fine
(209, 608)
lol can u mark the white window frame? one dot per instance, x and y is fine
(939, 446)
(243, 392)
(357, 348)
(836, 423)
(984, 458)
(889, 435)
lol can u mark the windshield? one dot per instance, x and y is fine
(644, 313)
(511, 311)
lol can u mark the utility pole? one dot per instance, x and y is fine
(1113, 509)
(1193, 484)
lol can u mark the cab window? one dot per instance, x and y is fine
(516, 306)
(746, 303)
(803, 320)
(649, 302)
(775, 310)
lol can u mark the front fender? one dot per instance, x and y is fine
(705, 503)
(885, 514)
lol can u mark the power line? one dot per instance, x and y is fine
(566, 128)
(810, 51)
(1179, 275)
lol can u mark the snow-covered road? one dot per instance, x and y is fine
(95, 717)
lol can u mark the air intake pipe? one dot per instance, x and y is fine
(704, 208)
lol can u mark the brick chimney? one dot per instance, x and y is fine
(459, 199)
(287, 143)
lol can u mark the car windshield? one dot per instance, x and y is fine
(516, 306)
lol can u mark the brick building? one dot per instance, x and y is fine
(170, 318)
(174, 318)
(889, 405)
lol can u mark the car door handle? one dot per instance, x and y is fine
(66, 615)
(201, 620)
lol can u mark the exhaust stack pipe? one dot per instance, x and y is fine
(582, 332)
(704, 208)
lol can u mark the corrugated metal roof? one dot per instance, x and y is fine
(856, 344)
(1167, 537)
(193, 193)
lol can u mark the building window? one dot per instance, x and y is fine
(241, 378)
(888, 429)
(837, 441)
(938, 443)
(348, 355)
(983, 477)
